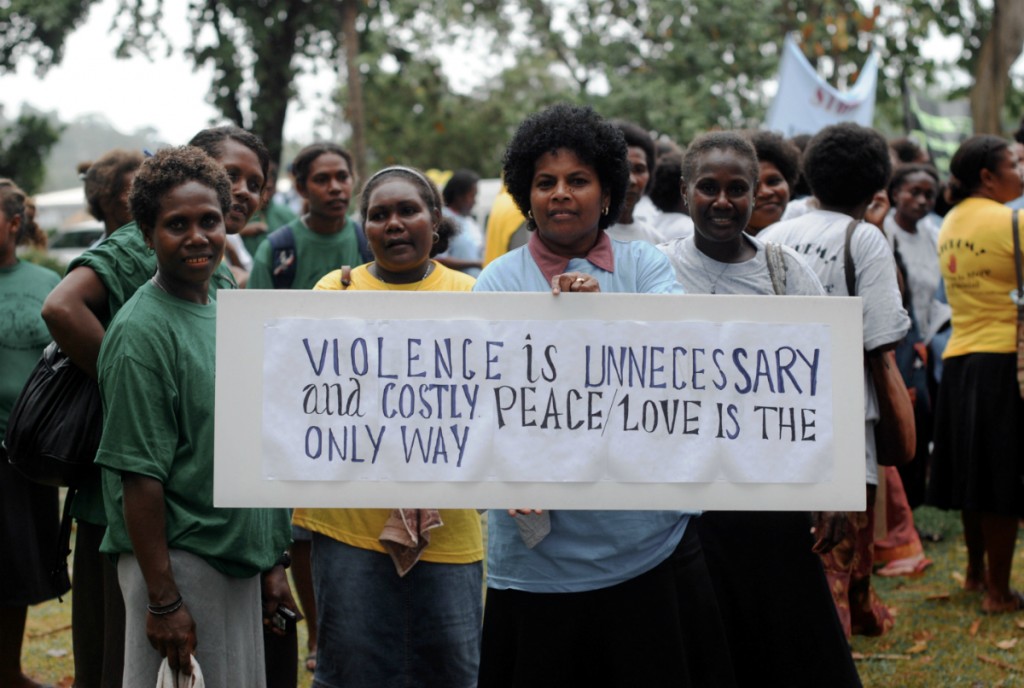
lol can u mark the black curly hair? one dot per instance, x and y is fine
(211, 141)
(720, 140)
(982, 152)
(431, 197)
(907, 150)
(594, 140)
(460, 184)
(15, 203)
(304, 160)
(845, 164)
(637, 137)
(665, 192)
(774, 148)
(104, 178)
(900, 174)
(169, 169)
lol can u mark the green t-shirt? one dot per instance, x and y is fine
(23, 334)
(123, 263)
(275, 215)
(156, 371)
(315, 256)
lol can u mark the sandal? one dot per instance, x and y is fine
(911, 566)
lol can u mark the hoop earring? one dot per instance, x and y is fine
(529, 215)
(604, 211)
(437, 237)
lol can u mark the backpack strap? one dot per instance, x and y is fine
(776, 267)
(282, 257)
(365, 252)
(848, 267)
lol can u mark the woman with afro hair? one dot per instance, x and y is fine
(612, 598)
(846, 165)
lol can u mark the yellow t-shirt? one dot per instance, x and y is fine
(976, 259)
(504, 220)
(459, 540)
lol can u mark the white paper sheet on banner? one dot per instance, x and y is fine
(261, 378)
(470, 400)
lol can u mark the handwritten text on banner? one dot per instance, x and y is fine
(536, 401)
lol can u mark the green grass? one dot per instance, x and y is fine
(938, 640)
(940, 634)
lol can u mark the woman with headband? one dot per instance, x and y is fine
(389, 614)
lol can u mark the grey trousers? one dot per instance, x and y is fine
(228, 616)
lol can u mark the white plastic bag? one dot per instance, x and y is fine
(165, 677)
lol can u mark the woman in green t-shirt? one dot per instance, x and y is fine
(28, 512)
(190, 573)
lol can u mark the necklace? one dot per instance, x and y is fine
(704, 267)
(427, 271)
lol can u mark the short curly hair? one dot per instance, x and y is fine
(14, 202)
(169, 169)
(774, 148)
(211, 141)
(720, 140)
(429, 194)
(846, 164)
(637, 137)
(460, 184)
(900, 174)
(104, 178)
(595, 141)
(666, 194)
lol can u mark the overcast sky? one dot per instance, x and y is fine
(165, 94)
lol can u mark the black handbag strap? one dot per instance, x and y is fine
(848, 267)
(59, 573)
(1019, 300)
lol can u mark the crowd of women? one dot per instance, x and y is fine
(588, 597)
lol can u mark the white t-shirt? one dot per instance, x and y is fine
(919, 251)
(819, 236)
(646, 211)
(674, 226)
(698, 273)
(638, 230)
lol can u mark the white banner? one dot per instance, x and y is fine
(805, 103)
(576, 401)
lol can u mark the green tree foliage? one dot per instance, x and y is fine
(37, 29)
(24, 145)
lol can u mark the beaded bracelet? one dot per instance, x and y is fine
(167, 608)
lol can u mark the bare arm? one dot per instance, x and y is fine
(895, 427)
(72, 313)
(173, 635)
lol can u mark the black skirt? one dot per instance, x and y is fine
(29, 525)
(779, 616)
(978, 459)
(661, 629)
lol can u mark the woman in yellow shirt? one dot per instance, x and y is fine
(394, 615)
(979, 440)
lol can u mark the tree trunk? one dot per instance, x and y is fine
(1000, 49)
(274, 74)
(354, 107)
